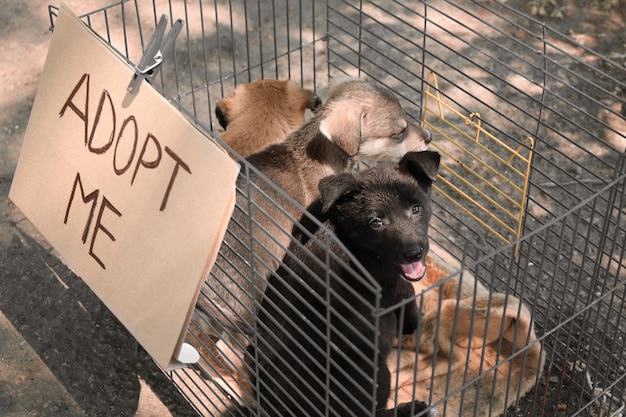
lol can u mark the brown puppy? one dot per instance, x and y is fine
(263, 112)
(360, 121)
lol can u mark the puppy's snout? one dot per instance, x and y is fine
(415, 254)
(421, 134)
(427, 135)
(424, 133)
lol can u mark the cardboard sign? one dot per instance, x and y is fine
(132, 195)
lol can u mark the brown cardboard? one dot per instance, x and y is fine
(152, 195)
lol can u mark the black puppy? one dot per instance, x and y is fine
(323, 332)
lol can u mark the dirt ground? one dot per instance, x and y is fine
(62, 353)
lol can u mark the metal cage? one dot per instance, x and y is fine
(509, 95)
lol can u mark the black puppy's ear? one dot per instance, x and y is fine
(422, 166)
(333, 187)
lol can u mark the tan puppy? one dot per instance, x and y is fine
(263, 112)
(468, 332)
(360, 121)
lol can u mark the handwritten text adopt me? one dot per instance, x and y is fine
(130, 151)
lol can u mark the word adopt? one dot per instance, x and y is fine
(103, 138)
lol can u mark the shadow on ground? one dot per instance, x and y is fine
(84, 346)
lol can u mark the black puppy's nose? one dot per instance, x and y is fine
(414, 254)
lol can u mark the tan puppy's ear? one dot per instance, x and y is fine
(342, 125)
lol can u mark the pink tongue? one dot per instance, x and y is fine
(414, 271)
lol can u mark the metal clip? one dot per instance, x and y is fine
(153, 55)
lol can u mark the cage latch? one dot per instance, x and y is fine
(150, 63)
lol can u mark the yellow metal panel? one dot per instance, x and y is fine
(482, 175)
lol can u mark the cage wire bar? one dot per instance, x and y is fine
(537, 91)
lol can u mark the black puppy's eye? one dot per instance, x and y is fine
(375, 223)
(416, 209)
